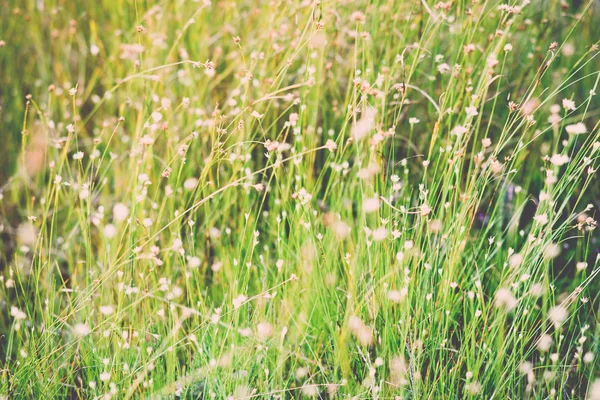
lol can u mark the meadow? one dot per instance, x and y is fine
(294, 199)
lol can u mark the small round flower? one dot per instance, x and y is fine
(568, 104)
(106, 310)
(193, 262)
(330, 145)
(397, 296)
(558, 315)
(264, 330)
(110, 231)
(545, 342)
(505, 299)
(120, 212)
(81, 329)
(576, 129)
(358, 17)
(190, 184)
(371, 205)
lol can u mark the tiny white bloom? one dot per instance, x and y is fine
(576, 129)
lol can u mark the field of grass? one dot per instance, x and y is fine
(387, 199)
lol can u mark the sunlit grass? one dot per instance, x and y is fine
(252, 199)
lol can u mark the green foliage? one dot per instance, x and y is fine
(289, 199)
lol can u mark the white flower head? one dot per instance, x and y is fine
(576, 129)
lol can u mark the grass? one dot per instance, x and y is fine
(299, 199)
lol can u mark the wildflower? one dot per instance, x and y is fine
(594, 390)
(558, 315)
(398, 370)
(358, 17)
(505, 299)
(371, 204)
(551, 250)
(146, 140)
(459, 131)
(541, 219)
(106, 310)
(362, 332)
(559, 159)
(256, 114)
(443, 68)
(474, 387)
(581, 265)
(568, 104)
(330, 145)
(545, 342)
(303, 196)
(424, 209)
(105, 376)
(264, 330)
(309, 390)
(216, 267)
(238, 301)
(515, 260)
(471, 111)
(78, 155)
(271, 146)
(512, 106)
(110, 231)
(576, 129)
(84, 193)
(81, 330)
(144, 179)
(508, 47)
(365, 124)
(369, 172)
(413, 121)
(399, 256)
(293, 119)
(341, 229)
(397, 296)
(194, 262)
(279, 264)
(380, 234)
(245, 332)
(568, 50)
(131, 51)
(17, 314)
(26, 234)
(182, 149)
(120, 212)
